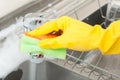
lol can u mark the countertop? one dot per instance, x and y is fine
(8, 6)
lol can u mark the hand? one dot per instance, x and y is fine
(81, 36)
(75, 34)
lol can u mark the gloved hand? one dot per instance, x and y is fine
(80, 36)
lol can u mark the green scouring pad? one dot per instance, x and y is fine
(31, 45)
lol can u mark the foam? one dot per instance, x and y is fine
(10, 56)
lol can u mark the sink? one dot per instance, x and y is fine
(45, 71)
(55, 72)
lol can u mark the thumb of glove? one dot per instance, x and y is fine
(53, 43)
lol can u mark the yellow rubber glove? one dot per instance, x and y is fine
(80, 36)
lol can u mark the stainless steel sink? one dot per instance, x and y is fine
(45, 71)
(50, 71)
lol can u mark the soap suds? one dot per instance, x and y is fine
(10, 56)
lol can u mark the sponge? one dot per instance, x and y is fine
(31, 45)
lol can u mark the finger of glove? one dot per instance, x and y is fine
(46, 28)
(52, 43)
(55, 25)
